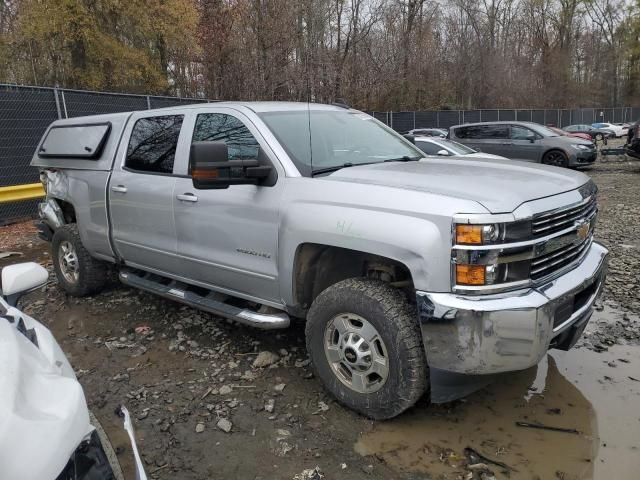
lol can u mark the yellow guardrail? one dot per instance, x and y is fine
(15, 193)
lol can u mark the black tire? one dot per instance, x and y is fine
(555, 158)
(396, 322)
(92, 274)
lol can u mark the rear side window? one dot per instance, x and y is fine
(152, 147)
(219, 127)
(483, 132)
(75, 141)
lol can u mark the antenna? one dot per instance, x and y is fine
(306, 61)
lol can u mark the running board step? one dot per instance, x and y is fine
(210, 303)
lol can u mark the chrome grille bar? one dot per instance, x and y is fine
(557, 220)
(550, 265)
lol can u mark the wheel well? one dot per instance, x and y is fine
(317, 267)
(551, 150)
(68, 211)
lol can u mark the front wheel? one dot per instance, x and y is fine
(555, 158)
(366, 347)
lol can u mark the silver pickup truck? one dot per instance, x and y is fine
(412, 274)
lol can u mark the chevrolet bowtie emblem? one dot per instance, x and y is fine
(583, 230)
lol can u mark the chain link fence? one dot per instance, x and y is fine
(25, 113)
(405, 121)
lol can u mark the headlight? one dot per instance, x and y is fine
(477, 234)
(479, 259)
(491, 233)
(580, 147)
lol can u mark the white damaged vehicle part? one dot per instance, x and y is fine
(46, 429)
(43, 412)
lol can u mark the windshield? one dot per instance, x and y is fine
(337, 138)
(456, 147)
(542, 130)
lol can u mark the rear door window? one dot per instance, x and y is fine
(483, 132)
(152, 147)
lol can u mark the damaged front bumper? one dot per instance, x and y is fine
(469, 339)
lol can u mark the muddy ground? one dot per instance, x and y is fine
(185, 371)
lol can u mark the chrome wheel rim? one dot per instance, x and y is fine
(68, 260)
(356, 353)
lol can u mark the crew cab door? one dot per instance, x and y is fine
(140, 191)
(228, 238)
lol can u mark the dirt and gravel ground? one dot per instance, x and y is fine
(203, 409)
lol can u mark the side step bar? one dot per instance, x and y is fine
(209, 303)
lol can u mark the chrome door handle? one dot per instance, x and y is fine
(187, 197)
(119, 188)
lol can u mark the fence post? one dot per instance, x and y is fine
(55, 96)
(390, 114)
(64, 104)
(148, 103)
(414, 119)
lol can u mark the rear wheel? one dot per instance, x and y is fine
(78, 273)
(366, 347)
(555, 158)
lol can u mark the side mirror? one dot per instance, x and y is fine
(411, 138)
(212, 169)
(442, 153)
(22, 278)
(531, 138)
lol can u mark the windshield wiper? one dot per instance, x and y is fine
(335, 168)
(405, 158)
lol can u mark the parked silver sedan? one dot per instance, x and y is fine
(445, 148)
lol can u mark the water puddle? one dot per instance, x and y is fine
(597, 394)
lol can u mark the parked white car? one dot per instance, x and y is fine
(46, 430)
(624, 126)
(617, 129)
(447, 148)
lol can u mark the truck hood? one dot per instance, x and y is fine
(500, 186)
(44, 413)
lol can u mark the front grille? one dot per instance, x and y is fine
(531, 251)
(566, 219)
(557, 220)
(545, 265)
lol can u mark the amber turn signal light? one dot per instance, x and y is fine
(470, 274)
(469, 234)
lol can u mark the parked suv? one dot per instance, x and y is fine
(412, 274)
(526, 141)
